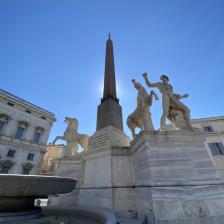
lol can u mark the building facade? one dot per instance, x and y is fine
(50, 162)
(24, 131)
(215, 139)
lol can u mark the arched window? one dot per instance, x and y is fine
(4, 118)
(37, 134)
(2, 123)
(27, 167)
(5, 166)
(22, 125)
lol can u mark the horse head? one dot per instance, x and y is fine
(71, 122)
(136, 84)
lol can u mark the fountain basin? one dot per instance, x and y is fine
(13, 185)
(80, 214)
(18, 194)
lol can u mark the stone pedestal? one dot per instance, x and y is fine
(175, 180)
(73, 168)
(69, 167)
(164, 177)
(108, 172)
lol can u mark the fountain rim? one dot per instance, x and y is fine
(36, 176)
(21, 186)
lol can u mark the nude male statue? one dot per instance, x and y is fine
(168, 99)
(176, 116)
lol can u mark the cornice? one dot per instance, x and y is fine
(207, 119)
(20, 144)
(23, 103)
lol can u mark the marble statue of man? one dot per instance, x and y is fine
(176, 116)
(141, 116)
(168, 98)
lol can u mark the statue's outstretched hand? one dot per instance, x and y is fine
(185, 95)
(155, 95)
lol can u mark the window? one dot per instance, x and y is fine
(52, 167)
(5, 166)
(11, 104)
(28, 111)
(11, 153)
(208, 128)
(37, 134)
(4, 169)
(27, 167)
(216, 148)
(19, 132)
(22, 126)
(2, 123)
(36, 137)
(30, 156)
(42, 117)
(4, 118)
(26, 170)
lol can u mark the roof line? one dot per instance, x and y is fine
(208, 118)
(26, 102)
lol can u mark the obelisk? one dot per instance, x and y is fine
(109, 112)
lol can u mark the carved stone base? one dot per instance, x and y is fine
(165, 177)
(73, 168)
(69, 167)
(107, 173)
(175, 179)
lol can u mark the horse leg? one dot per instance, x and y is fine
(131, 127)
(133, 132)
(68, 150)
(74, 148)
(150, 99)
(57, 138)
(82, 140)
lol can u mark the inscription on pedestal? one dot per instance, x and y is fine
(98, 141)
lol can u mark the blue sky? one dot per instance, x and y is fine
(52, 53)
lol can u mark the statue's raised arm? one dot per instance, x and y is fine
(148, 83)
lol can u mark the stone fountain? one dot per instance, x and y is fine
(19, 192)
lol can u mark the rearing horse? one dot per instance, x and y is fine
(72, 137)
(141, 117)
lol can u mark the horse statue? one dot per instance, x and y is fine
(141, 117)
(72, 138)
